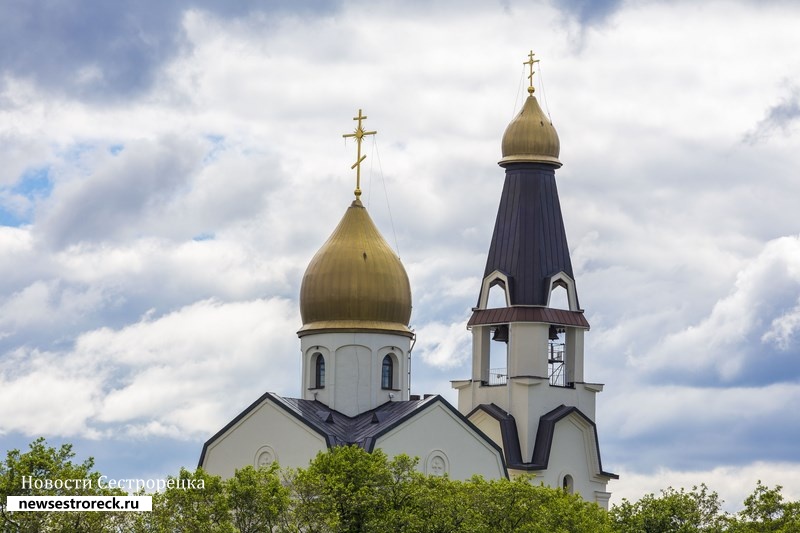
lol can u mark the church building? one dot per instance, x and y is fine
(534, 415)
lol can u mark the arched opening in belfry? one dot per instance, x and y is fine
(556, 356)
(497, 297)
(498, 355)
(559, 297)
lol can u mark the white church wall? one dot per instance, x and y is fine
(574, 453)
(353, 366)
(353, 369)
(527, 349)
(444, 443)
(528, 408)
(574, 355)
(474, 394)
(527, 399)
(265, 434)
(549, 397)
(489, 425)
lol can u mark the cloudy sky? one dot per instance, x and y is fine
(167, 170)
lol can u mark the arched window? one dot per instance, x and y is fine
(319, 371)
(567, 484)
(387, 373)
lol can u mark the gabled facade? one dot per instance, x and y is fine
(292, 431)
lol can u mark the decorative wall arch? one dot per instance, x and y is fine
(567, 483)
(311, 368)
(399, 359)
(495, 278)
(437, 463)
(265, 456)
(390, 370)
(562, 279)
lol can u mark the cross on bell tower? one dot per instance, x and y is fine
(530, 62)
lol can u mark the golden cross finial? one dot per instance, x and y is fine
(530, 62)
(359, 134)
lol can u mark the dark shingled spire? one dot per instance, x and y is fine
(529, 243)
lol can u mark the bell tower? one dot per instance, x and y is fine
(527, 389)
(355, 303)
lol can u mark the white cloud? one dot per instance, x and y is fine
(43, 304)
(681, 410)
(18, 249)
(183, 373)
(783, 328)
(20, 153)
(443, 345)
(122, 191)
(731, 336)
(40, 395)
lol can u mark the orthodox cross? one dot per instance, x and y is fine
(359, 134)
(530, 62)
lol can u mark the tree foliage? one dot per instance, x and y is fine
(672, 512)
(766, 510)
(185, 508)
(349, 490)
(44, 462)
(257, 499)
(700, 510)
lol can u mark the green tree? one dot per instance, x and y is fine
(444, 506)
(521, 505)
(397, 496)
(766, 510)
(348, 489)
(341, 490)
(45, 463)
(257, 499)
(698, 510)
(197, 502)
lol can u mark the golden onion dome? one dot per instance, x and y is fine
(355, 282)
(530, 137)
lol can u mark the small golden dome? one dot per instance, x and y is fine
(530, 137)
(355, 282)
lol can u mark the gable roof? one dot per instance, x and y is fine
(544, 436)
(361, 430)
(339, 429)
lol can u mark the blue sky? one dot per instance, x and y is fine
(169, 170)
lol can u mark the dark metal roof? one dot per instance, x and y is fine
(504, 315)
(361, 430)
(339, 429)
(529, 243)
(544, 437)
(508, 432)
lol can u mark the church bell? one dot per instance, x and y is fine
(501, 333)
